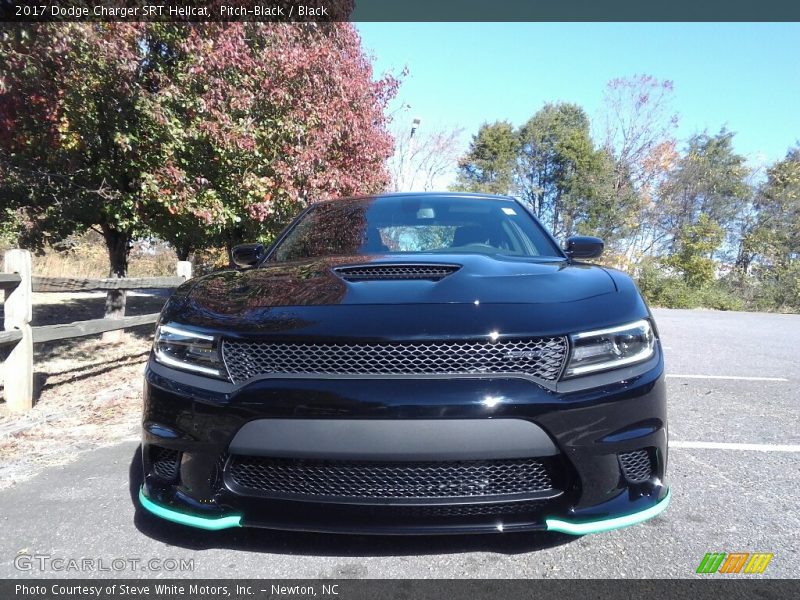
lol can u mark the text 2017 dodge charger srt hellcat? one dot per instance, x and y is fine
(411, 363)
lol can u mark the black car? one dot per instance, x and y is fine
(408, 363)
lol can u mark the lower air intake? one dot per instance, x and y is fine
(636, 465)
(165, 462)
(285, 478)
(466, 510)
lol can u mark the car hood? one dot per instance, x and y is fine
(478, 279)
(308, 300)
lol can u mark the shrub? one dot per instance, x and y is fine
(669, 291)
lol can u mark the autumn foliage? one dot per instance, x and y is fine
(199, 134)
(282, 115)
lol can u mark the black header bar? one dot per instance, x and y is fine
(399, 10)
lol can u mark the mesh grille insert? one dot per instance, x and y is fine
(467, 510)
(166, 462)
(279, 477)
(542, 358)
(636, 465)
(432, 272)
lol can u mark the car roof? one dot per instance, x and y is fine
(429, 195)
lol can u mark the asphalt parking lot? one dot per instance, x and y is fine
(734, 410)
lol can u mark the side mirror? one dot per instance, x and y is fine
(584, 246)
(248, 255)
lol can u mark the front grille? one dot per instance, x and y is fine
(432, 272)
(636, 465)
(541, 358)
(431, 511)
(466, 510)
(165, 462)
(280, 477)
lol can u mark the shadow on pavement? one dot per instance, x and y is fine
(319, 544)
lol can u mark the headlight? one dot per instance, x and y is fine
(188, 350)
(610, 348)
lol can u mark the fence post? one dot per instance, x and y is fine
(184, 269)
(18, 380)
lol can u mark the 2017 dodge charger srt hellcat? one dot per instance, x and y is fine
(408, 363)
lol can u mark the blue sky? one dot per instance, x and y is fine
(744, 76)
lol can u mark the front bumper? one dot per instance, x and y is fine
(197, 425)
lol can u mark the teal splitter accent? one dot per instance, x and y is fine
(209, 523)
(600, 525)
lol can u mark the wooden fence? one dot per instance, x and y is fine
(18, 283)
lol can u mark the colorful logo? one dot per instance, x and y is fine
(735, 562)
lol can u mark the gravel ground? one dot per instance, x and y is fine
(87, 392)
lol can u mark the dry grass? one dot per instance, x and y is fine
(95, 266)
(87, 257)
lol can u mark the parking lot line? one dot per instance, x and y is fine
(735, 446)
(732, 377)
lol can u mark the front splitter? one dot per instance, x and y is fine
(551, 524)
(601, 525)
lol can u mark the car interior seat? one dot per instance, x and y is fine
(373, 243)
(470, 234)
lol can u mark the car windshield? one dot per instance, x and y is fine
(413, 225)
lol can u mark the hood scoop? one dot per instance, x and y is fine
(396, 271)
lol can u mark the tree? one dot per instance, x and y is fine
(552, 164)
(607, 211)
(563, 177)
(488, 166)
(286, 115)
(419, 163)
(638, 120)
(773, 244)
(199, 134)
(710, 179)
(692, 258)
(639, 133)
(77, 133)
